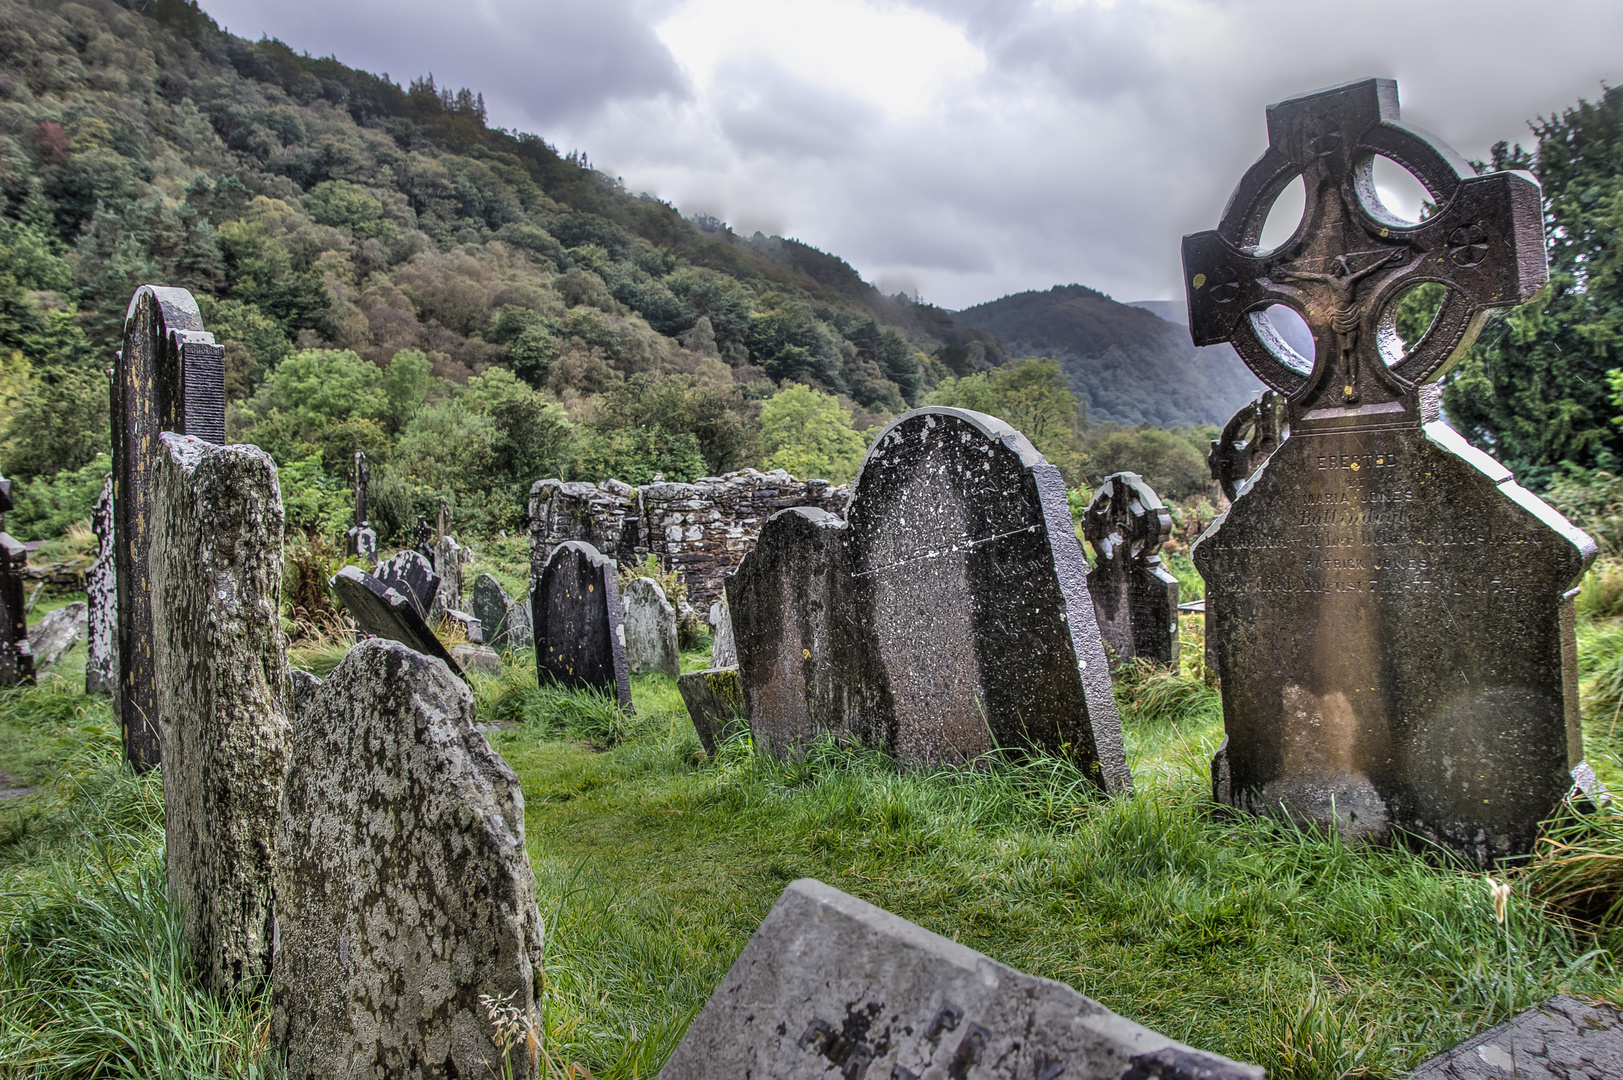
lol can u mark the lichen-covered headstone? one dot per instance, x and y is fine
(715, 700)
(831, 986)
(220, 666)
(580, 636)
(169, 376)
(411, 575)
(56, 632)
(1559, 1039)
(946, 616)
(404, 895)
(16, 654)
(448, 559)
(387, 613)
(506, 622)
(650, 623)
(101, 597)
(1135, 597)
(723, 649)
(1390, 611)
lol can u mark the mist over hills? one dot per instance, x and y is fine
(1128, 363)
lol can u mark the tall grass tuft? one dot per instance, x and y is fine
(1578, 869)
(1601, 596)
(588, 715)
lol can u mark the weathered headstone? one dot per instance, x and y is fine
(422, 538)
(1560, 1039)
(411, 575)
(403, 892)
(715, 700)
(101, 592)
(480, 658)
(1135, 597)
(723, 649)
(580, 638)
(1390, 612)
(650, 623)
(56, 632)
(832, 986)
(448, 559)
(169, 376)
(16, 655)
(363, 541)
(1248, 438)
(385, 612)
(947, 616)
(506, 622)
(221, 676)
(472, 628)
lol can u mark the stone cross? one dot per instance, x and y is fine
(169, 376)
(1135, 597)
(16, 655)
(1247, 439)
(1389, 612)
(362, 539)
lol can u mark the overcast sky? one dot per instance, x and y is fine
(963, 149)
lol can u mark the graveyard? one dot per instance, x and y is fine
(524, 632)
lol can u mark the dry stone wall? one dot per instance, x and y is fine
(701, 530)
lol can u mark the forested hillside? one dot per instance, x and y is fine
(1126, 365)
(389, 273)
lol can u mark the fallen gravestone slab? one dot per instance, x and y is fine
(386, 613)
(221, 674)
(404, 896)
(1135, 597)
(58, 631)
(101, 593)
(715, 700)
(650, 623)
(506, 622)
(1562, 1039)
(832, 986)
(410, 574)
(946, 616)
(1389, 612)
(723, 650)
(580, 640)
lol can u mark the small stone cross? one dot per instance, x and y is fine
(1126, 522)
(1349, 261)
(359, 476)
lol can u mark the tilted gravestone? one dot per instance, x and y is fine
(169, 376)
(948, 615)
(650, 623)
(580, 637)
(830, 986)
(411, 575)
(56, 632)
(16, 654)
(1391, 615)
(1560, 1039)
(506, 622)
(362, 540)
(1247, 439)
(715, 700)
(221, 675)
(388, 613)
(403, 891)
(1135, 597)
(101, 596)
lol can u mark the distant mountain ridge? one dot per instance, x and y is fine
(1129, 364)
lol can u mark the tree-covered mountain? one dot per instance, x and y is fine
(1127, 365)
(390, 273)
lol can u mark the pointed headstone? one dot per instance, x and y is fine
(1390, 612)
(221, 676)
(506, 622)
(404, 897)
(101, 595)
(580, 638)
(169, 376)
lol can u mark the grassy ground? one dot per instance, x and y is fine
(655, 865)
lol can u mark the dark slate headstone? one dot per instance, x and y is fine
(169, 376)
(1389, 611)
(506, 622)
(715, 700)
(1562, 1039)
(831, 986)
(101, 596)
(579, 636)
(16, 654)
(411, 575)
(1135, 597)
(948, 615)
(381, 611)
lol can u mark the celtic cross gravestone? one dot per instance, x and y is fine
(169, 376)
(1391, 614)
(363, 540)
(1135, 597)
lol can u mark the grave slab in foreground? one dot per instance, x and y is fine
(833, 986)
(1561, 1039)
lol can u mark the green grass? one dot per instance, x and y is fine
(655, 864)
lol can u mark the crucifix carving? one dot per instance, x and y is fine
(1351, 259)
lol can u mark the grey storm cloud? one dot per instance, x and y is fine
(1061, 140)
